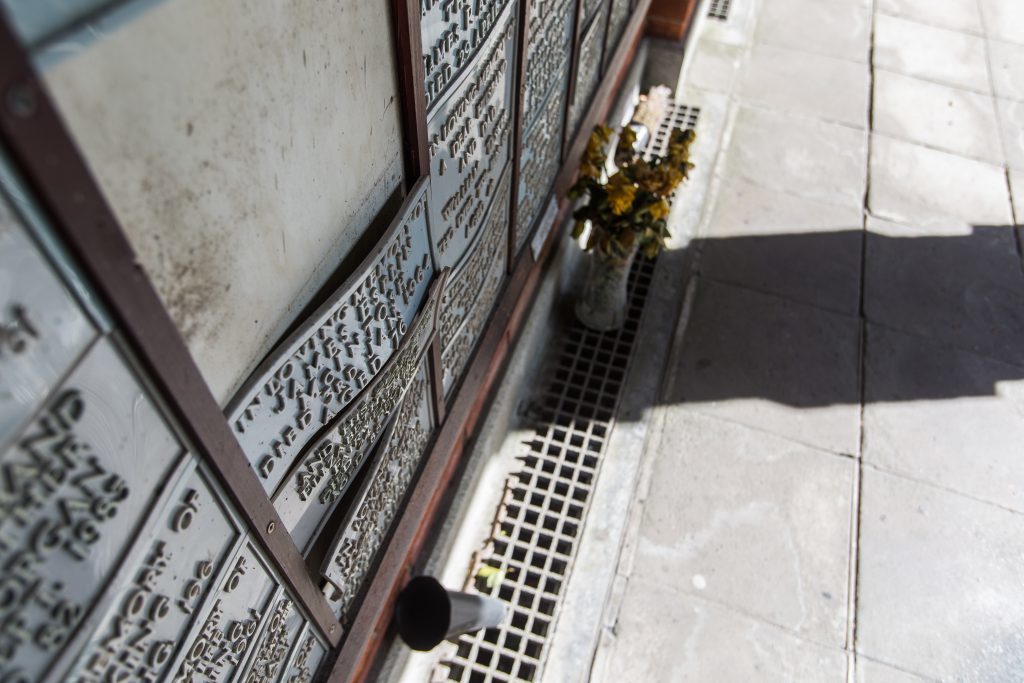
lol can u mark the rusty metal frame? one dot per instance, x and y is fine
(45, 155)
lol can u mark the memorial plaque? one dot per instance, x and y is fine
(306, 658)
(588, 73)
(468, 300)
(279, 635)
(73, 491)
(220, 644)
(325, 364)
(468, 137)
(160, 596)
(42, 329)
(618, 16)
(466, 286)
(590, 9)
(549, 44)
(325, 471)
(365, 528)
(452, 33)
(538, 164)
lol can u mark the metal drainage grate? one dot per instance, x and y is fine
(678, 116)
(540, 519)
(719, 9)
(529, 556)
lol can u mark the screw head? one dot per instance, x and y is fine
(21, 100)
(271, 527)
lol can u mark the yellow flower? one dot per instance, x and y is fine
(621, 193)
(659, 209)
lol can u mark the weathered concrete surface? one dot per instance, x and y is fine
(245, 147)
(834, 485)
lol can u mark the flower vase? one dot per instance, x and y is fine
(602, 304)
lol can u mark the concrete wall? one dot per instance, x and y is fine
(244, 145)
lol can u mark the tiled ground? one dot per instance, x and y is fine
(835, 481)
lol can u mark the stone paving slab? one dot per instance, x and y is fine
(869, 671)
(813, 85)
(964, 289)
(932, 53)
(776, 365)
(1007, 75)
(783, 244)
(836, 28)
(731, 510)
(936, 115)
(924, 187)
(959, 15)
(944, 416)
(1004, 19)
(941, 591)
(1011, 123)
(815, 159)
(714, 67)
(671, 638)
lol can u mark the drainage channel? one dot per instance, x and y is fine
(719, 10)
(529, 555)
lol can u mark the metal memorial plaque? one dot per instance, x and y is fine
(74, 488)
(279, 635)
(549, 43)
(325, 471)
(588, 74)
(42, 329)
(163, 590)
(590, 8)
(469, 141)
(468, 300)
(618, 16)
(306, 658)
(363, 532)
(538, 164)
(325, 364)
(220, 643)
(466, 286)
(452, 33)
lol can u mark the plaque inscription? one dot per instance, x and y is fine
(468, 140)
(169, 580)
(279, 634)
(452, 32)
(306, 658)
(222, 641)
(72, 492)
(350, 558)
(323, 366)
(327, 468)
(547, 56)
(468, 301)
(539, 164)
(588, 74)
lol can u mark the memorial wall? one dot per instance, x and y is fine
(250, 153)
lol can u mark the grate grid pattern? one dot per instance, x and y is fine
(719, 9)
(540, 519)
(678, 116)
(539, 522)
